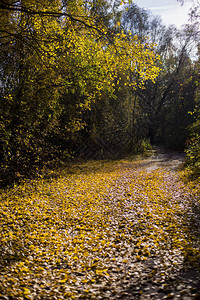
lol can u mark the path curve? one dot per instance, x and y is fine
(164, 158)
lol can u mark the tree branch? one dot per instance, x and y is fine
(29, 11)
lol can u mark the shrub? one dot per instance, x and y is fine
(193, 154)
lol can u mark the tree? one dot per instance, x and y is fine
(56, 65)
(160, 110)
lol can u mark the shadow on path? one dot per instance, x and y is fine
(163, 158)
(185, 282)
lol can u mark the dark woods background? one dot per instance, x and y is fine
(50, 107)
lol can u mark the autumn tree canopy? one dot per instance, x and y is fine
(57, 58)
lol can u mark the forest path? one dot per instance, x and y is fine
(164, 158)
(126, 229)
(182, 282)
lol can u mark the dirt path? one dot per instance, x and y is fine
(182, 282)
(105, 230)
(163, 158)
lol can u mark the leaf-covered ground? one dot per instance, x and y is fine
(105, 230)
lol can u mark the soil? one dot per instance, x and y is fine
(164, 158)
(183, 284)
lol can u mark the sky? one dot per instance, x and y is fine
(170, 11)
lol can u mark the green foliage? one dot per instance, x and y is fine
(57, 64)
(193, 145)
(75, 72)
(145, 146)
(142, 146)
(193, 154)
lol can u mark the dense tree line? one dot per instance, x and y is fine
(90, 73)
